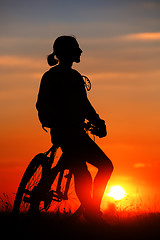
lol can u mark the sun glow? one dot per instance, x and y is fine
(117, 192)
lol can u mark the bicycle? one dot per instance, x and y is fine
(58, 197)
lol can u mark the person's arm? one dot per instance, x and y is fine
(91, 115)
(90, 112)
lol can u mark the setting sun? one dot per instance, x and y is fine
(117, 192)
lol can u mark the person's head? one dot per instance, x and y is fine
(66, 49)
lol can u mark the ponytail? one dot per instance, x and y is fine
(51, 59)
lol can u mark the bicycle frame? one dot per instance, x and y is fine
(58, 195)
(37, 183)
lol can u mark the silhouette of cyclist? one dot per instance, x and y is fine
(63, 106)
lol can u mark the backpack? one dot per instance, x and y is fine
(45, 119)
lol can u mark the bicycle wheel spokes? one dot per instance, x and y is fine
(30, 179)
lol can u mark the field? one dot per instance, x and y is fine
(117, 225)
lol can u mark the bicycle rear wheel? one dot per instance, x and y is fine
(29, 180)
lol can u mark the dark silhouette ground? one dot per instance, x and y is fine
(117, 225)
(61, 226)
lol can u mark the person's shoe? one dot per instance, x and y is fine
(93, 215)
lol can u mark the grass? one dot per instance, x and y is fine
(121, 224)
(5, 204)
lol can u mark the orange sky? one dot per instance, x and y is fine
(121, 56)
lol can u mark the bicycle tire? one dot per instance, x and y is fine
(30, 179)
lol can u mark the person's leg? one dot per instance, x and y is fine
(83, 183)
(100, 183)
(95, 156)
(79, 150)
(72, 145)
(74, 160)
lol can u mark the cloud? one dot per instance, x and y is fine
(141, 165)
(16, 61)
(13, 67)
(19, 74)
(150, 4)
(147, 36)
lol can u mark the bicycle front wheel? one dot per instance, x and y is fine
(29, 180)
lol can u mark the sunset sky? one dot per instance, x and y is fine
(121, 56)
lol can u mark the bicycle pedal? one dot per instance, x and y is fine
(57, 199)
(26, 199)
(67, 175)
(57, 196)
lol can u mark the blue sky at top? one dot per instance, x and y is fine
(138, 15)
(28, 25)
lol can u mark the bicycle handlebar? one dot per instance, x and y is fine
(90, 127)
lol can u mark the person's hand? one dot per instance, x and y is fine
(102, 128)
(99, 128)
